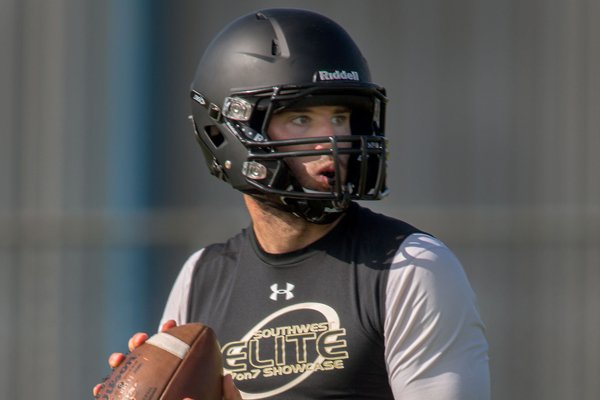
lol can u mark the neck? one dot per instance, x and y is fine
(280, 232)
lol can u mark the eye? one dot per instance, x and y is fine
(300, 120)
(340, 119)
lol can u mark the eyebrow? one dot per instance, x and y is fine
(337, 109)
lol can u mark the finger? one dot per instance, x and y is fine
(96, 389)
(230, 392)
(137, 340)
(115, 359)
(168, 325)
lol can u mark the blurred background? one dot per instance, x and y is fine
(494, 127)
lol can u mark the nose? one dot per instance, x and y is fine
(325, 128)
(323, 146)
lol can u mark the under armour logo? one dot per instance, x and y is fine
(287, 291)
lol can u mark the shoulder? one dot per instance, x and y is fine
(375, 237)
(221, 251)
(214, 253)
(371, 222)
(426, 265)
(423, 249)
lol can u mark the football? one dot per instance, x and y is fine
(184, 361)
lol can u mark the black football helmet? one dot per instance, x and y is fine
(271, 60)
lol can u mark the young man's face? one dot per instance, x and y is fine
(312, 172)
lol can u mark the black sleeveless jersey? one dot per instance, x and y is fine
(356, 315)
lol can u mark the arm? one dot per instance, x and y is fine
(434, 337)
(177, 303)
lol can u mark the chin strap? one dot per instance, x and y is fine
(314, 211)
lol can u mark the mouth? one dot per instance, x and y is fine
(320, 175)
(327, 176)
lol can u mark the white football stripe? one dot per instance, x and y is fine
(169, 343)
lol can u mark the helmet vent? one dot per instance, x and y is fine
(275, 50)
(214, 134)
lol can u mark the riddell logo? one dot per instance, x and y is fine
(337, 76)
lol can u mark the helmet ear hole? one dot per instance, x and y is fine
(214, 134)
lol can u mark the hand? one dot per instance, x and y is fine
(230, 392)
(115, 359)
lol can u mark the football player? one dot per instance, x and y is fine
(319, 297)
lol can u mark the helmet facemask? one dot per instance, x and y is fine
(357, 171)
